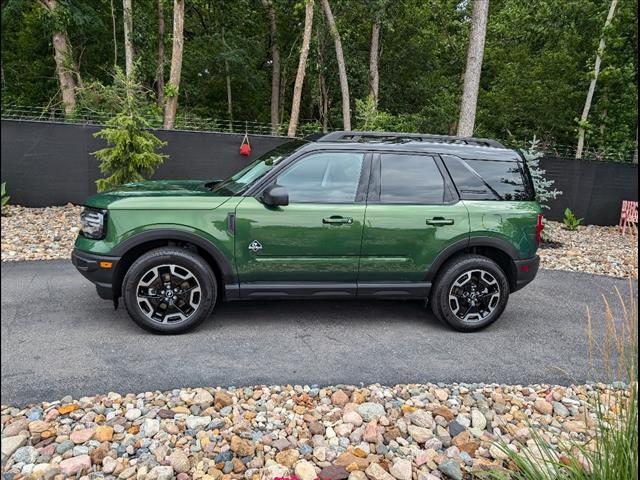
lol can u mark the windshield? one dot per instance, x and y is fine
(255, 171)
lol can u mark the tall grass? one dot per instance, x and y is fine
(612, 453)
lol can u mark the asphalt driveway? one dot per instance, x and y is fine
(59, 338)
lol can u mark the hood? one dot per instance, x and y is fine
(156, 189)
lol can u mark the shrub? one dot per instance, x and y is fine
(570, 221)
(542, 185)
(5, 197)
(132, 154)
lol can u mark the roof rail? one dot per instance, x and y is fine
(394, 137)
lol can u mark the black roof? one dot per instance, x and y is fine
(393, 137)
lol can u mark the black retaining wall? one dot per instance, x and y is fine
(50, 164)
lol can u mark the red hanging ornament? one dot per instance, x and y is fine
(245, 147)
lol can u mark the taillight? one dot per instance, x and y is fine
(539, 228)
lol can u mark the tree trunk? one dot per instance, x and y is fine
(227, 74)
(282, 93)
(128, 40)
(374, 76)
(323, 103)
(229, 99)
(171, 105)
(475, 53)
(160, 73)
(65, 66)
(342, 70)
(275, 65)
(302, 66)
(594, 79)
(115, 39)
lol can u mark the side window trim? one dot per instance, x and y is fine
(451, 195)
(374, 182)
(361, 188)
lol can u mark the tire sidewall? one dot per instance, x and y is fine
(443, 285)
(170, 256)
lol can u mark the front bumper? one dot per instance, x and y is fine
(526, 271)
(93, 267)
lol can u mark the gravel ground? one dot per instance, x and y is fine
(49, 233)
(591, 249)
(421, 432)
(39, 233)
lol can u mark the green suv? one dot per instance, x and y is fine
(449, 220)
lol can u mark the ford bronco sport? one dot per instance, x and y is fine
(449, 220)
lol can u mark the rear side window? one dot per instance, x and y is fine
(410, 178)
(488, 179)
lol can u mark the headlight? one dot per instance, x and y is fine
(92, 222)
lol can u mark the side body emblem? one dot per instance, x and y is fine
(255, 246)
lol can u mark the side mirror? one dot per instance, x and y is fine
(275, 196)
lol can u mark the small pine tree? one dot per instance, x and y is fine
(542, 185)
(132, 155)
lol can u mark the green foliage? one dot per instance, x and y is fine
(535, 75)
(570, 221)
(170, 90)
(132, 152)
(370, 118)
(541, 184)
(4, 196)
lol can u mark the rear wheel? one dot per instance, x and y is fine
(470, 293)
(169, 290)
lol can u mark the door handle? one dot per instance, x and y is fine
(438, 221)
(337, 220)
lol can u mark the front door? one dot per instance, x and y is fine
(289, 250)
(412, 215)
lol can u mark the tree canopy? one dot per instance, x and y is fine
(538, 59)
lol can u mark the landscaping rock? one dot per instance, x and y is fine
(403, 432)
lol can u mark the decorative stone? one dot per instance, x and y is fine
(103, 433)
(369, 410)
(71, 466)
(376, 472)
(451, 469)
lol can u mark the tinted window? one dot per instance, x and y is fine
(410, 179)
(330, 177)
(469, 184)
(488, 179)
(506, 178)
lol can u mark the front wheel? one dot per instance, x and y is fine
(169, 290)
(470, 293)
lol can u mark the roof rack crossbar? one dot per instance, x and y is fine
(355, 136)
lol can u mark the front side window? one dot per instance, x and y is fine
(410, 178)
(327, 177)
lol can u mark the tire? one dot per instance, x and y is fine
(178, 309)
(486, 287)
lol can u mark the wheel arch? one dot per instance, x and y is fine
(135, 246)
(496, 249)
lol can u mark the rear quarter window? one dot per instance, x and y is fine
(478, 179)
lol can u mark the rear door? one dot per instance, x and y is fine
(315, 240)
(412, 215)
